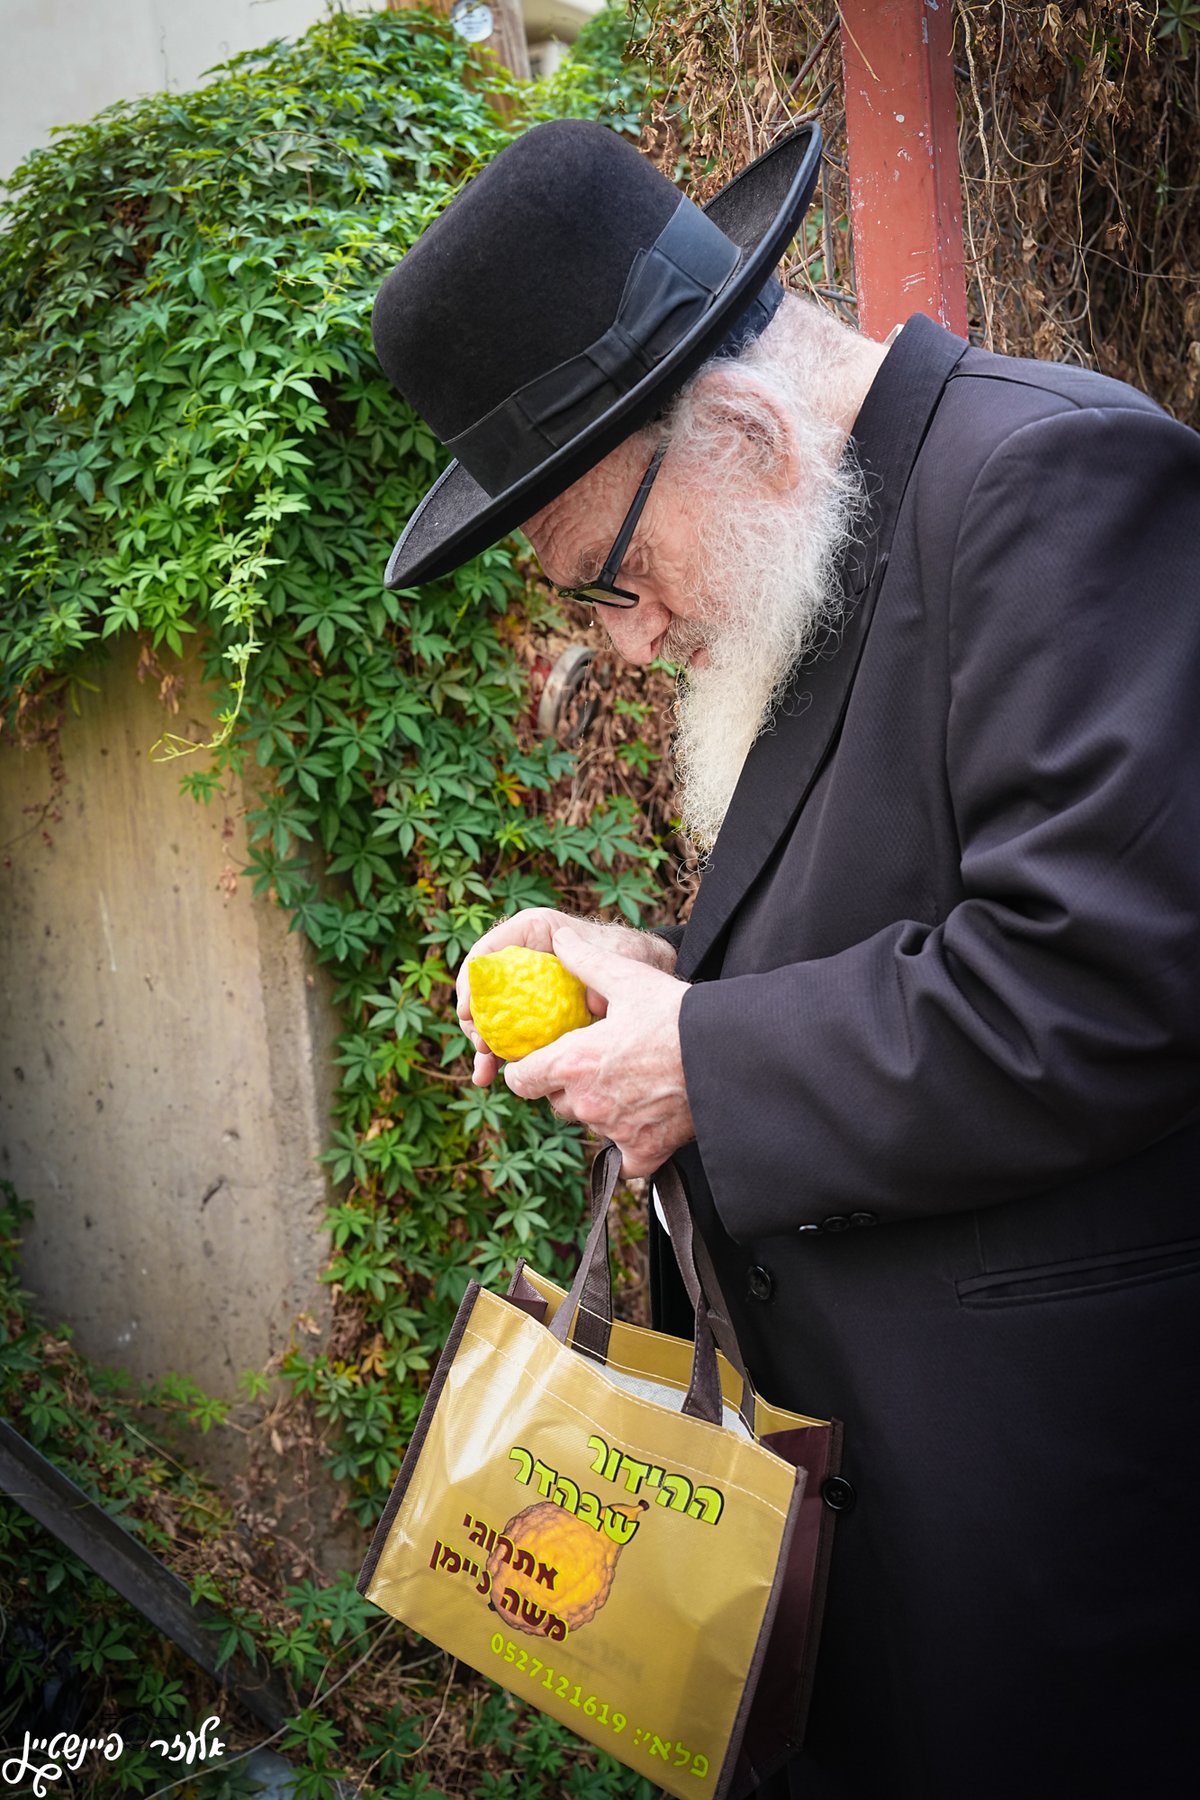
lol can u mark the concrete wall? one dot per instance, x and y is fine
(164, 1054)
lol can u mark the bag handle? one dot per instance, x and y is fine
(699, 1277)
(589, 1301)
(594, 1323)
(695, 1266)
(590, 1294)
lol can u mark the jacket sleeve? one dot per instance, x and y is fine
(1050, 1024)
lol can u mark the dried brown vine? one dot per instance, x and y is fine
(1079, 133)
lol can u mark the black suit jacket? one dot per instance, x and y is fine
(943, 1054)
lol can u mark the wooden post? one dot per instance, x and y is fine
(507, 36)
(902, 136)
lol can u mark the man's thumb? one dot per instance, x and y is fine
(593, 965)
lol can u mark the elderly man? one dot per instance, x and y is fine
(928, 1051)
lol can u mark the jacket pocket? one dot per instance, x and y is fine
(1083, 1275)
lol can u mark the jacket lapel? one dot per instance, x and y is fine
(784, 763)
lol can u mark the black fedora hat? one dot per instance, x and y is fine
(557, 304)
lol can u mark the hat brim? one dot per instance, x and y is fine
(760, 210)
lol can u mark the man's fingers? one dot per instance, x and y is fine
(538, 928)
(470, 1028)
(604, 971)
(530, 929)
(530, 1078)
(560, 1105)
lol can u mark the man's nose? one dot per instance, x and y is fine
(633, 631)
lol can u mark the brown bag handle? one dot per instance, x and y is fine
(590, 1295)
(589, 1302)
(699, 1277)
(594, 1323)
(696, 1265)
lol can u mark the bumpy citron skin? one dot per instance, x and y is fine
(523, 999)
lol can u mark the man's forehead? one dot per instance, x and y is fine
(589, 491)
(568, 546)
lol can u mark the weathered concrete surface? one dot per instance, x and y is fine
(164, 1066)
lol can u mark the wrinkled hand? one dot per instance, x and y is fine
(623, 1075)
(534, 929)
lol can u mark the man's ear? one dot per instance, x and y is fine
(737, 405)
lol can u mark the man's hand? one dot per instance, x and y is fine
(623, 1075)
(534, 929)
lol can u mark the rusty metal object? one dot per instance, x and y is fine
(565, 710)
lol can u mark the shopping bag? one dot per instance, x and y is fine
(605, 1520)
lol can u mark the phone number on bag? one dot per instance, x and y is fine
(563, 1688)
(559, 1685)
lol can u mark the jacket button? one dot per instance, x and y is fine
(835, 1222)
(863, 1219)
(801, 1228)
(760, 1283)
(838, 1494)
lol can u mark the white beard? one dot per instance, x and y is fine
(769, 592)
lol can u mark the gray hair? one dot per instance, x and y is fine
(768, 553)
(802, 362)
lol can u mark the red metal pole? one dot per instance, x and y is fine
(902, 133)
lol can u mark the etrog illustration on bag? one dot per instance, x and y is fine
(560, 1524)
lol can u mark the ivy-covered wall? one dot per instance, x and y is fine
(197, 449)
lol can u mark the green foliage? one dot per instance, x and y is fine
(197, 449)
(604, 77)
(1178, 20)
(197, 445)
(49, 1599)
(195, 430)
(65, 1632)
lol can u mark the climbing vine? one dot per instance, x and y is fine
(198, 451)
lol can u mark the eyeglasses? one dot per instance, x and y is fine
(601, 592)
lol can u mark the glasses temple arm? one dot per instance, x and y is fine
(616, 555)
